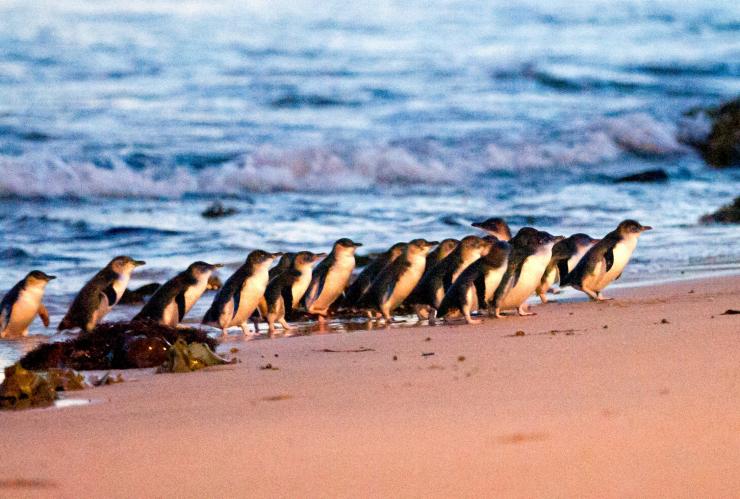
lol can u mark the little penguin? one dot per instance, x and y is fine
(531, 251)
(496, 227)
(475, 287)
(365, 279)
(285, 291)
(98, 296)
(444, 248)
(285, 263)
(169, 304)
(565, 256)
(606, 260)
(240, 295)
(330, 278)
(396, 282)
(428, 294)
(20, 306)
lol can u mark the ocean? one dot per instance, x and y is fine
(120, 122)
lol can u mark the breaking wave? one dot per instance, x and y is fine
(324, 169)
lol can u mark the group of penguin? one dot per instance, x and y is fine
(437, 279)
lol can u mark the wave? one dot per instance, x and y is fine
(327, 168)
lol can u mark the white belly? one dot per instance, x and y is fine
(299, 287)
(529, 278)
(335, 283)
(492, 280)
(406, 284)
(171, 315)
(193, 294)
(24, 311)
(622, 252)
(252, 291)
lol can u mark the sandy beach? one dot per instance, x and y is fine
(634, 397)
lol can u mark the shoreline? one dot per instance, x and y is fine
(596, 399)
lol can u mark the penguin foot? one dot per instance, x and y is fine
(285, 325)
(543, 298)
(523, 311)
(470, 320)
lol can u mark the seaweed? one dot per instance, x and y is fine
(112, 345)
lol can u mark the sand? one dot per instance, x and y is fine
(598, 400)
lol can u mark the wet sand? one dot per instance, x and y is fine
(639, 396)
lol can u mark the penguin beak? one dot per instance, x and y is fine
(477, 225)
(646, 227)
(278, 254)
(139, 263)
(357, 245)
(319, 256)
(559, 238)
(432, 243)
(217, 265)
(50, 277)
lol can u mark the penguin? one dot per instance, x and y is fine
(330, 278)
(285, 291)
(428, 294)
(606, 260)
(100, 294)
(396, 282)
(236, 301)
(496, 227)
(565, 256)
(531, 251)
(363, 281)
(173, 299)
(285, 263)
(22, 303)
(444, 248)
(475, 287)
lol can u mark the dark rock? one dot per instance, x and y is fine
(721, 148)
(136, 296)
(728, 214)
(105, 347)
(658, 175)
(218, 210)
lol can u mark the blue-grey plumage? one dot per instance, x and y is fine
(100, 294)
(531, 251)
(330, 278)
(606, 260)
(174, 299)
(235, 302)
(565, 256)
(20, 306)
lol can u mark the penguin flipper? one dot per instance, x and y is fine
(111, 295)
(4, 317)
(287, 294)
(180, 301)
(562, 270)
(43, 313)
(609, 258)
(236, 297)
(480, 289)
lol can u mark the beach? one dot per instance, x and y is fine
(633, 397)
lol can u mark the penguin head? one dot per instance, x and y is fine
(473, 246)
(38, 278)
(306, 259)
(545, 239)
(396, 250)
(496, 227)
(202, 270)
(421, 246)
(346, 245)
(632, 228)
(447, 246)
(124, 264)
(580, 239)
(260, 258)
(527, 237)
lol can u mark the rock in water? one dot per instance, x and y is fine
(218, 210)
(658, 175)
(721, 148)
(728, 214)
